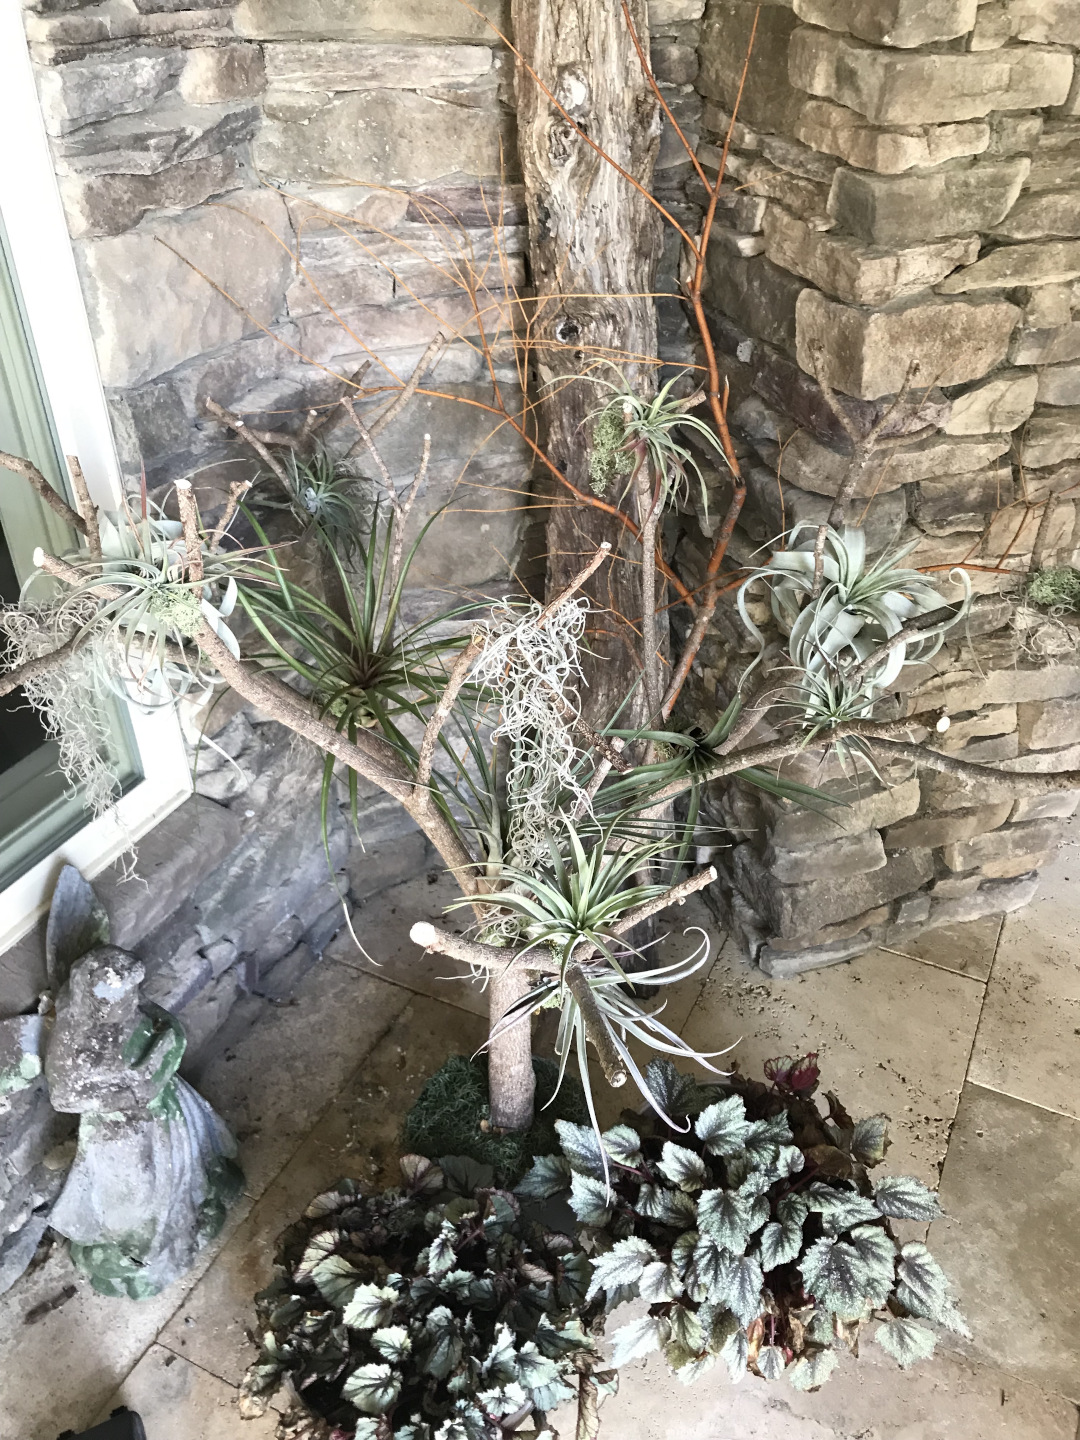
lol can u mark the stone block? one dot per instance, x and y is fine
(389, 137)
(111, 204)
(663, 13)
(214, 74)
(1004, 853)
(104, 86)
(893, 88)
(932, 831)
(1040, 484)
(1059, 805)
(901, 23)
(144, 144)
(781, 964)
(909, 209)
(238, 248)
(345, 20)
(1052, 437)
(1046, 21)
(173, 859)
(336, 65)
(1042, 214)
(769, 99)
(1049, 724)
(758, 295)
(992, 28)
(1059, 385)
(1046, 347)
(1055, 262)
(857, 273)
(808, 199)
(849, 855)
(795, 910)
(861, 807)
(1013, 134)
(997, 897)
(798, 159)
(771, 510)
(954, 887)
(994, 720)
(822, 470)
(675, 64)
(868, 353)
(1002, 402)
(842, 132)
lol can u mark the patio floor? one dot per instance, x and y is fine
(970, 1041)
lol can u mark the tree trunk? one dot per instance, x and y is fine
(594, 242)
(511, 1081)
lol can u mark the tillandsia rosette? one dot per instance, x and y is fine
(749, 1223)
(433, 1311)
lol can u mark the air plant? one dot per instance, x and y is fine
(322, 495)
(649, 428)
(838, 634)
(147, 608)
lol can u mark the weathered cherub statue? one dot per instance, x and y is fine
(154, 1171)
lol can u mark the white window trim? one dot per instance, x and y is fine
(45, 265)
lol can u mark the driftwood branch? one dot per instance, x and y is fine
(189, 518)
(474, 952)
(439, 716)
(30, 669)
(33, 475)
(86, 507)
(245, 432)
(919, 629)
(429, 358)
(611, 1062)
(237, 490)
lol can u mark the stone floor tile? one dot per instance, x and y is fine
(58, 1372)
(893, 1036)
(947, 1398)
(383, 926)
(358, 1136)
(278, 1078)
(968, 949)
(1028, 1042)
(178, 1401)
(1011, 1242)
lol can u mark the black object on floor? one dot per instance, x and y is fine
(122, 1424)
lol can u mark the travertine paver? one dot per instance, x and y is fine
(893, 1035)
(178, 1401)
(1011, 1240)
(967, 949)
(947, 1399)
(1028, 1041)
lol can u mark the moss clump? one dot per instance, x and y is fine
(447, 1116)
(1055, 589)
(609, 460)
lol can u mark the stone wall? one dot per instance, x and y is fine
(904, 186)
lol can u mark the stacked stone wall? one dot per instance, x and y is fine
(904, 186)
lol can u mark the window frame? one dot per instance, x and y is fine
(44, 263)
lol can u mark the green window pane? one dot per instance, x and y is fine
(38, 809)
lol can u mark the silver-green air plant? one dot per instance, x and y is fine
(837, 639)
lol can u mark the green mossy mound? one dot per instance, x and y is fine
(447, 1116)
(1056, 589)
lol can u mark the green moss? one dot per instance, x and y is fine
(1056, 589)
(608, 460)
(446, 1117)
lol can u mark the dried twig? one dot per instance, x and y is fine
(475, 952)
(439, 716)
(237, 490)
(919, 629)
(189, 518)
(30, 472)
(426, 362)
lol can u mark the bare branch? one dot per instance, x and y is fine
(189, 518)
(369, 440)
(474, 952)
(600, 774)
(33, 475)
(31, 669)
(439, 716)
(919, 629)
(675, 896)
(244, 431)
(426, 362)
(602, 552)
(237, 490)
(611, 1062)
(86, 507)
(402, 513)
(61, 570)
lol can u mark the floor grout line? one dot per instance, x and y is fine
(1023, 1100)
(933, 964)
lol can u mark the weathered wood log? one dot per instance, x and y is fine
(594, 244)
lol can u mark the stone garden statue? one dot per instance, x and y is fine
(154, 1171)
